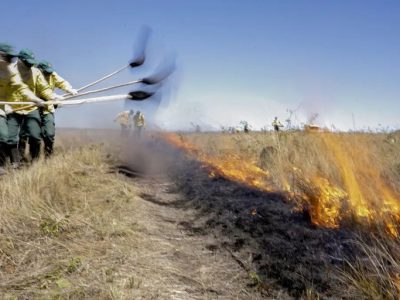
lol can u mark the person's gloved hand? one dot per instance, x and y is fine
(8, 109)
(40, 103)
(57, 98)
(73, 92)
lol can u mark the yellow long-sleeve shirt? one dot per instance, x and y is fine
(56, 81)
(124, 118)
(12, 88)
(139, 120)
(36, 82)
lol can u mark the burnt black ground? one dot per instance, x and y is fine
(283, 245)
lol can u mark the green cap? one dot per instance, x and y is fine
(8, 49)
(45, 66)
(28, 56)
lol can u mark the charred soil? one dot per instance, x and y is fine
(279, 246)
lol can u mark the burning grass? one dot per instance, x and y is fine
(340, 180)
(337, 178)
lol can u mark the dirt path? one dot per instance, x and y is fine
(175, 259)
(198, 237)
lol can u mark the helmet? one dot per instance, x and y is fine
(27, 56)
(45, 66)
(8, 49)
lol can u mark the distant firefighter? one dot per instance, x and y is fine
(276, 124)
(139, 123)
(124, 119)
(246, 128)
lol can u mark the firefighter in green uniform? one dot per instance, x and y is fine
(48, 125)
(28, 118)
(12, 89)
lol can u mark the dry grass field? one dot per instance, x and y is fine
(306, 215)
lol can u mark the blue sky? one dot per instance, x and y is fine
(237, 60)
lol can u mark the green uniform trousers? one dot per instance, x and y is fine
(3, 129)
(49, 132)
(3, 140)
(23, 141)
(29, 123)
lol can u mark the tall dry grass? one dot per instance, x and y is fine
(377, 274)
(64, 227)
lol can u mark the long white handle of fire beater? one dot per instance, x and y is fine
(73, 102)
(104, 89)
(94, 100)
(103, 78)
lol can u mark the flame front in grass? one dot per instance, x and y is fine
(360, 194)
(345, 165)
(370, 198)
(325, 203)
(238, 169)
(230, 166)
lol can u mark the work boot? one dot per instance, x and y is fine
(48, 148)
(3, 171)
(14, 156)
(34, 149)
(3, 156)
(21, 149)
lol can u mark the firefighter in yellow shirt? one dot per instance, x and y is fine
(124, 119)
(276, 124)
(28, 119)
(139, 123)
(48, 122)
(12, 89)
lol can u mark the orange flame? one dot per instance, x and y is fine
(322, 200)
(370, 198)
(365, 196)
(230, 166)
(357, 202)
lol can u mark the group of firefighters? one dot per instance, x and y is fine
(127, 118)
(22, 78)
